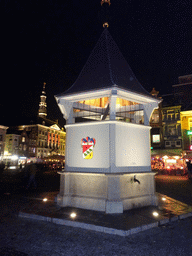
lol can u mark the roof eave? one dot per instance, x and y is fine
(106, 92)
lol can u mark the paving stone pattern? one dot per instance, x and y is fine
(36, 238)
(24, 236)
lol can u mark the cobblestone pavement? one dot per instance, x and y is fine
(19, 236)
(41, 238)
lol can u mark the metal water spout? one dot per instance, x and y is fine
(136, 180)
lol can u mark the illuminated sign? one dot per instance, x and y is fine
(189, 132)
(156, 138)
(87, 146)
(172, 161)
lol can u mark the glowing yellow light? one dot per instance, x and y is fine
(14, 157)
(12, 167)
(44, 199)
(173, 161)
(155, 214)
(105, 25)
(73, 215)
(163, 199)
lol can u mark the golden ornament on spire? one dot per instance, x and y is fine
(105, 1)
(106, 25)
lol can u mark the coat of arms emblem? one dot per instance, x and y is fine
(87, 146)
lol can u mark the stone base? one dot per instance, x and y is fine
(82, 202)
(113, 207)
(109, 193)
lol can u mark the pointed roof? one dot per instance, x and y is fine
(106, 67)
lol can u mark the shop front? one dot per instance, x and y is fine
(168, 162)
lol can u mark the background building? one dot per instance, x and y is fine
(38, 138)
(156, 124)
(186, 128)
(3, 130)
(173, 119)
(172, 127)
(40, 141)
(12, 144)
(183, 92)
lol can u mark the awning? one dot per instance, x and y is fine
(188, 156)
(170, 152)
(55, 157)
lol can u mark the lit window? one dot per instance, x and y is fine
(156, 138)
(178, 143)
(172, 130)
(155, 117)
(23, 139)
(172, 143)
(190, 124)
(167, 144)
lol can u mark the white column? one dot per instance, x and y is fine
(67, 110)
(112, 147)
(112, 106)
(148, 109)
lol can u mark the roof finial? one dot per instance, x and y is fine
(104, 13)
(105, 24)
(105, 1)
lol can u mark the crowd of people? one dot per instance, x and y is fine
(172, 166)
(31, 173)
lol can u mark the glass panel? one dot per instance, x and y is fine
(129, 111)
(94, 109)
(98, 109)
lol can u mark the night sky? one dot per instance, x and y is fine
(50, 41)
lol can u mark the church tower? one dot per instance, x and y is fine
(42, 105)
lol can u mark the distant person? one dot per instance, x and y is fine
(189, 167)
(25, 175)
(32, 169)
(2, 166)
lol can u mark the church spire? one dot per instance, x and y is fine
(42, 105)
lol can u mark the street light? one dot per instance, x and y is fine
(155, 214)
(73, 215)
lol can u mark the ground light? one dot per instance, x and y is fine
(73, 215)
(44, 199)
(155, 214)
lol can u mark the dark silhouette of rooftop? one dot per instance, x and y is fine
(106, 67)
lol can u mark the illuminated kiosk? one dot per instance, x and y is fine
(108, 165)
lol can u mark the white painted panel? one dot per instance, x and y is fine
(74, 154)
(132, 145)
